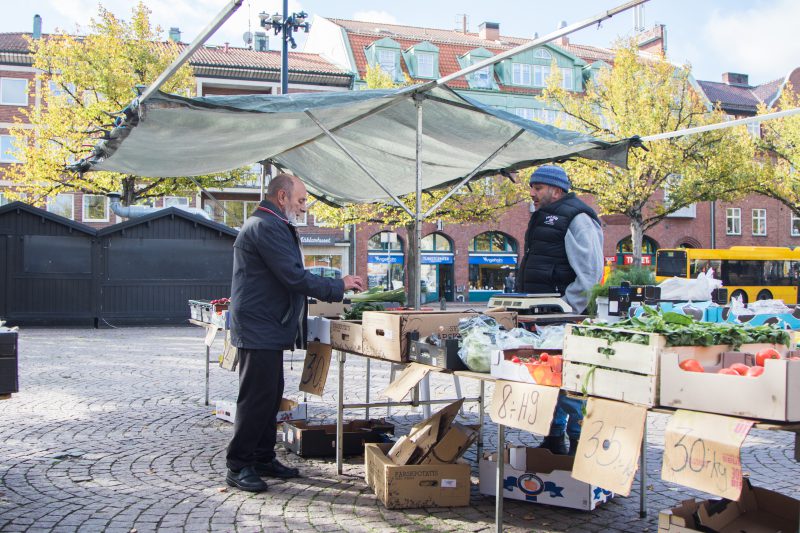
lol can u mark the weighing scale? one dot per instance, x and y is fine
(531, 304)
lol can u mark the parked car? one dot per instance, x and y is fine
(326, 272)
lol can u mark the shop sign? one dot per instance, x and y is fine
(317, 240)
(627, 259)
(492, 259)
(437, 259)
(385, 259)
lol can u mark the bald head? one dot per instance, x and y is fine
(289, 194)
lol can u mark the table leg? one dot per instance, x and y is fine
(366, 409)
(499, 486)
(208, 354)
(643, 475)
(340, 357)
(480, 420)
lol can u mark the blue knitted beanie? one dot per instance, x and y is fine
(551, 175)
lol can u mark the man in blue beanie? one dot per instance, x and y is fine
(564, 255)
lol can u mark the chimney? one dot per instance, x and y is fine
(37, 27)
(563, 40)
(738, 80)
(489, 31)
(654, 40)
(261, 42)
(226, 48)
(175, 34)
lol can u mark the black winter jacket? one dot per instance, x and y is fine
(270, 283)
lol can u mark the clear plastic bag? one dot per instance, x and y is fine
(478, 339)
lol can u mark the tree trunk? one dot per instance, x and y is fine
(636, 241)
(412, 276)
(128, 190)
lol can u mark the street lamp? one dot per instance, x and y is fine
(286, 24)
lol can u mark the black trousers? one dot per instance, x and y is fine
(260, 393)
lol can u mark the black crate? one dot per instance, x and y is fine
(9, 380)
(445, 356)
(8, 343)
(319, 440)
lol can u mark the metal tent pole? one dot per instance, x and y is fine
(417, 215)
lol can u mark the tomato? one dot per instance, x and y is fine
(728, 372)
(740, 368)
(691, 365)
(755, 371)
(543, 357)
(516, 359)
(763, 355)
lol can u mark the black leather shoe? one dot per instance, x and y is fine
(276, 469)
(246, 479)
(555, 445)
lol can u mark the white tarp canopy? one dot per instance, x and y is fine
(170, 135)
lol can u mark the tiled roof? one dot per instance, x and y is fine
(234, 62)
(744, 99)
(766, 92)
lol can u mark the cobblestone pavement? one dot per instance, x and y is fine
(110, 433)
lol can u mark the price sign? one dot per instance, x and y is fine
(701, 451)
(211, 334)
(611, 441)
(230, 355)
(315, 368)
(523, 406)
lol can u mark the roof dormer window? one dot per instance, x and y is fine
(425, 64)
(387, 60)
(541, 53)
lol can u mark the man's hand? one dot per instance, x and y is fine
(353, 282)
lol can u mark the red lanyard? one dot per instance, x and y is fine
(274, 213)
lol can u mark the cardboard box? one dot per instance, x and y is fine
(386, 332)
(289, 410)
(221, 319)
(757, 511)
(452, 446)
(412, 486)
(347, 335)
(318, 329)
(319, 440)
(548, 373)
(423, 436)
(774, 395)
(536, 475)
(332, 310)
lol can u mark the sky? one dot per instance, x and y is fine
(755, 37)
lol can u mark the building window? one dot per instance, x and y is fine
(759, 222)
(63, 205)
(524, 112)
(8, 152)
(14, 91)
(327, 266)
(540, 75)
(541, 53)
(521, 74)
(3, 198)
(176, 201)
(548, 116)
(425, 61)
(482, 79)
(436, 242)
(754, 129)
(95, 208)
(567, 80)
(733, 221)
(795, 225)
(493, 242)
(386, 60)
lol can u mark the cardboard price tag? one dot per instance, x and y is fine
(211, 334)
(701, 451)
(230, 355)
(315, 368)
(523, 406)
(610, 445)
(409, 377)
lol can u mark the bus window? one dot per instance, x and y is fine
(671, 263)
(778, 273)
(744, 273)
(704, 265)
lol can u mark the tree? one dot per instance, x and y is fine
(86, 81)
(484, 199)
(778, 178)
(638, 96)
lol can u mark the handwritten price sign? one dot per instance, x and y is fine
(523, 406)
(610, 444)
(701, 451)
(315, 368)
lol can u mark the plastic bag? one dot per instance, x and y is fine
(698, 289)
(478, 339)
(768, 307)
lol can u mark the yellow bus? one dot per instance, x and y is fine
(750, 272)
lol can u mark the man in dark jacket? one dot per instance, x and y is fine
(564, 255)
(268, 299)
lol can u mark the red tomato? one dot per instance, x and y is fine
(691, 365)
(763, 355)
(755, 371)
(727, 371)
(543, 357)
(740, 368)
(516, 359)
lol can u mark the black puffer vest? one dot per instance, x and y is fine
(544, 267)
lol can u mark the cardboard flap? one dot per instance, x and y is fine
(403, 451)
(402, 385)
(455, 442)
(442, 418)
